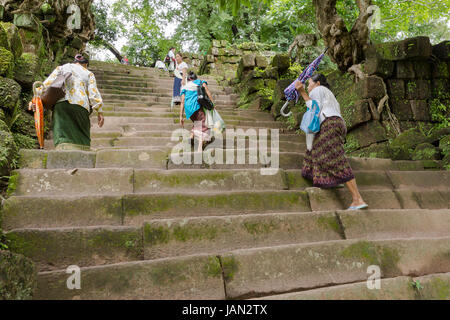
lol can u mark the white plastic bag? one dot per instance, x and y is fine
(218, 123)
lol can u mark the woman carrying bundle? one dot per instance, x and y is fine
(325, 162)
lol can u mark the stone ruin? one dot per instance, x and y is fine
(392, 103)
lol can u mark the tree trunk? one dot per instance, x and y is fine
(346, 48)
(114, 51)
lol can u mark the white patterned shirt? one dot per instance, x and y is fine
(81, 87)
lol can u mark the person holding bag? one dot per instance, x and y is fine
(70, 116)
(193, 110)
(325, 162)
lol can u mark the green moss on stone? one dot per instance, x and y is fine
(230, 266)
(212, 268)
(374, 254)
(329, 222)
(168, 273)
(260, 228)
(156, 235)
(6, 63)
(12, 183)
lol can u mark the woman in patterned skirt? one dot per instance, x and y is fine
(325, 162)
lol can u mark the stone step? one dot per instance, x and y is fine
(134, 209)
(184, 236)
(258, 272)
(126, 83)
(248, 273)
(194, 277)
(398, 288)
(128, 180)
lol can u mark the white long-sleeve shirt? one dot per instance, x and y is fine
(329, 107)
(81, 87)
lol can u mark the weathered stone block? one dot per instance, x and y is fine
(17, 276)
(70, 159)
(216, 43)
(418, 89)
(25, 20)
(356, 113)
(396, 88)
(418, 47)
(248, 60)
(282, 62)
(215, 51)
(405, 70)
(370, 87)
(365, 135)
(271, 73)
(420, 110)
(422, 69)
(442, 50)
(210, 58)
(402, 109)
(223, 43)
(377, 66)
(261, 62)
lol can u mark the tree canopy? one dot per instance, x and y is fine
(274, 22)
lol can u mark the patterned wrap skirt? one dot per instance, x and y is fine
(199, 129)
(326, 164)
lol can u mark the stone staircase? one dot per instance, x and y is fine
(141, 226)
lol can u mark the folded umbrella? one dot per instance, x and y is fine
(290, 92)
(38, 114)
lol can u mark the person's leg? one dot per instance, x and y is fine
(356, 196)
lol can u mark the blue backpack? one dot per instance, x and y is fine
(311, 119)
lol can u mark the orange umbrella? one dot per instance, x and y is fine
(38, 114)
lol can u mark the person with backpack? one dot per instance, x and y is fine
(191, 107)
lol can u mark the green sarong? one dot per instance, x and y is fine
(71, 126)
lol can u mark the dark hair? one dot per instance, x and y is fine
(171, 48)
(81, 59)
(191, 76)
(322, 79)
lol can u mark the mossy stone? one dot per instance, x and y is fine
(425, 151)
(4, 43)
(27, 69)
(6, 63)
(404, 144)
(9, 93)
(15, 43)
(8, 153)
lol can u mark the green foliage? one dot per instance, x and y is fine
(439, 113)
(24, 142)
(4, 242)
(293, 72)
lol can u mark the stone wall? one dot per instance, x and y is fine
(395, 106)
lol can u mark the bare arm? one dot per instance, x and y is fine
(182, 110)
(183, 82)
(300, 87)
